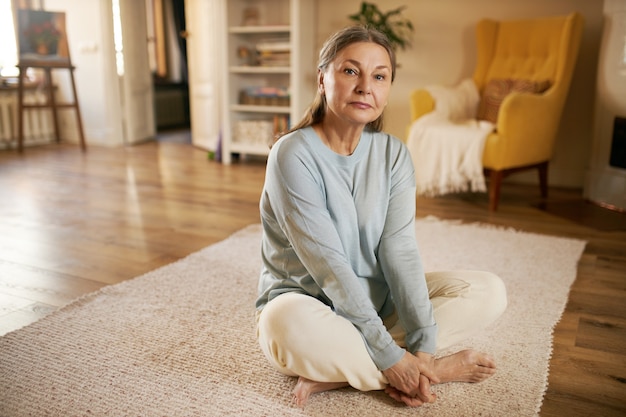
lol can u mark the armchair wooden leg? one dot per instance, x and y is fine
(495, 181)
(543, 179)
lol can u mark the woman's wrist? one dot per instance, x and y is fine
(427, 359)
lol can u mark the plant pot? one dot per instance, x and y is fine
(42, 49)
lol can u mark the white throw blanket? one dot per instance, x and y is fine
(447, 144)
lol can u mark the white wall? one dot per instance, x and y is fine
(444, 50)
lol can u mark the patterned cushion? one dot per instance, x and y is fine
(497, 89)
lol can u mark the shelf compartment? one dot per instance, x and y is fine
(249, 108)
(249, 148)
(281, 37)
(258, 69)
(253, 30)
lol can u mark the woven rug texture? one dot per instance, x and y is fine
(180, 340)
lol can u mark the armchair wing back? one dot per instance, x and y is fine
(540, 51)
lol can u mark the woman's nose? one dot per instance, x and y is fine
(363, 87)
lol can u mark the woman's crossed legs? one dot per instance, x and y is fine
(303, 337)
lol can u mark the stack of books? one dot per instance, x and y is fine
(274, 53)
(265, 96)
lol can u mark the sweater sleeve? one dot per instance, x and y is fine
(401, 264)
(298, 205)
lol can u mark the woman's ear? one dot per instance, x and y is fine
(320, 82)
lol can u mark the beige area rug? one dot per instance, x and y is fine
(179, 341)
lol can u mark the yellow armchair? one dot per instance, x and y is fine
(540, 51)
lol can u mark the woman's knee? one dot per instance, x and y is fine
(498, 290)
(279, 317)
(276, 329)
(302, 336)
(485, 291)
(478, 302)
(493, 293)
(295, 323)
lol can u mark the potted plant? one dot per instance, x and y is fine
(391, 23)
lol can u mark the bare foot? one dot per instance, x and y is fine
(465, 366)
(305, 387)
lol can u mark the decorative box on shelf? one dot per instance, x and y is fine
(257, 132)
(265, 96)
(260, 132)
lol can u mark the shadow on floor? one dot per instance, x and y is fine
(586, 213)
(182, 135)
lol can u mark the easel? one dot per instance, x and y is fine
(33, 23)
(51, 101)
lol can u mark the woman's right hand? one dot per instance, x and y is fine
(410, 379)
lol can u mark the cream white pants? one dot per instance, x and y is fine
(301, 336)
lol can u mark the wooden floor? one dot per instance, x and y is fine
(72, 222)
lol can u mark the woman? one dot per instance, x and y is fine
(343, 298)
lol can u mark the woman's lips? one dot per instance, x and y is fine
(361, 105)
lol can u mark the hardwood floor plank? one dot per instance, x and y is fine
(601, 334)
(588, 377)
(10, 303)
(566, 330)
(24, 316)
(41, 285)
(558, 404)
(599, 305)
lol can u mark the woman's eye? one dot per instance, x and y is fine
(380, 77)
(350, 71)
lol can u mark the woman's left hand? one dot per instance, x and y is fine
(413, 401)
(410, 379)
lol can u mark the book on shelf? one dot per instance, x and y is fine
(274, 46)
(281, 124)
(274, 53)
(265, 96)
(274, 59)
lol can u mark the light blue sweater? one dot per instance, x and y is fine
(341, 229)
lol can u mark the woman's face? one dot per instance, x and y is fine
(357, 83)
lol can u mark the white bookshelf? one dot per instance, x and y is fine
(290, 24)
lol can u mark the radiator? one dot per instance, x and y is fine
(38, 123)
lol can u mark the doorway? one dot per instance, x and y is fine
(167, 46)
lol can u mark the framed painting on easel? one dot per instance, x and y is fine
(42, 43)
(42, 38)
